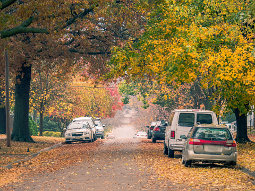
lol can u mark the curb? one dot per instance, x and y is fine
(247, 171)
(10, 166)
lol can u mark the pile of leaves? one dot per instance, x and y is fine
(199, 176)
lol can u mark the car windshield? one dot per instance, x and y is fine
(204, 118)
(77, 125)
(214, 134)
(186, 119)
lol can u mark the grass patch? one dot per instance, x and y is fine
(20, 150)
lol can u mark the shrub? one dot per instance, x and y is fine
(51, 134)
(33, 129)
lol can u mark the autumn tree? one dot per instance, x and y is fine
(49, 82)
(189, 40)
(82, 27)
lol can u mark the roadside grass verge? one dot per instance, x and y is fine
(21, 150)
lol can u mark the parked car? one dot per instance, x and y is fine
(158, 132)
(231, 127)
(78, 131)
(209, 143)
(141, 134)
(91, 122)
(151, 127)
(99, 129)
(180, 123)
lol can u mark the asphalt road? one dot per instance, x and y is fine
(113, 166)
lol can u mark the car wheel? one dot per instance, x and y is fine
(165, 149)
(183, 162)
(102, 137)
(154, 140)
(170, 153)
(148, 136)
(187, 163)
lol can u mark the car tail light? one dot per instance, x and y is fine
(230, 143)
(195, 142)
(156, 129)
(173, 134)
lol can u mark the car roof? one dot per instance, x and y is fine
(192, 110)
(82, 118)
(212, 126)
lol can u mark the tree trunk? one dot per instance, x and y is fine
(22, 87)
(41, 124)
(241, 122)
(2, 120)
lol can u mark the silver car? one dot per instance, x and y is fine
(209, 144)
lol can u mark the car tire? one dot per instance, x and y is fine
(187, 163)
(148, 136)
(102, 137)
(154, 140)
(170, 153)
(165, 149)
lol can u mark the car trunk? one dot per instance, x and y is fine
(213, 148)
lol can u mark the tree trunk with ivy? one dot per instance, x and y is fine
(21, 111)
(241, 122)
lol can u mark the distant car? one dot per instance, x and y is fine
(78, 131)
(91, 122)
(151, 127)
(99, 129)
(141, 134)
(231, 127)
(158, 132)
(209, 144)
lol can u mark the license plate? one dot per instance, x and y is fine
(212, 148)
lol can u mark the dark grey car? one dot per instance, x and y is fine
(209, 144)
(158, 132)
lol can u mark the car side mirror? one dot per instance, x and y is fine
(183, 137)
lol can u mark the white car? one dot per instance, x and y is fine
(79, 131)
(99, 129)
(180, 123)
(141, 134)
(91, 122)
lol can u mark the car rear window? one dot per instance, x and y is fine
(204, 118)
(186, 119)
(214, 134)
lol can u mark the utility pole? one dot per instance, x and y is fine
(7, 101)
